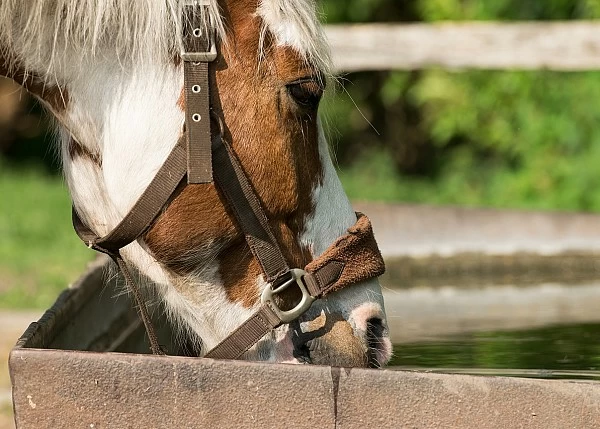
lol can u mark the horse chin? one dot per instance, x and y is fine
(347, 329)
(277, 347)
(343, 345)
(327, 339)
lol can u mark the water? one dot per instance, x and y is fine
(571, 351)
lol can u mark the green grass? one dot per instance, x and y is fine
(39, 252)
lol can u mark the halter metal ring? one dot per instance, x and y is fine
(287, 316)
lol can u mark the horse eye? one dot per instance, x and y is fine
(306, 93)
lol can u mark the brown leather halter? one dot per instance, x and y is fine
(354, 257)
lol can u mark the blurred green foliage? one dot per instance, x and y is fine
(494, 138)
(457, 10)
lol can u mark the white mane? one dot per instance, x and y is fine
(43, 31)
(47, 32)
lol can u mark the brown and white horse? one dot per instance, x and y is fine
(109, 72)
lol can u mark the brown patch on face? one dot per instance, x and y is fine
(77, 150)
(277, 144)
(193, 220)
(239, 272)
(55, 97)
(340, 347)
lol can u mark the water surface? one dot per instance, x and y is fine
(571, 351)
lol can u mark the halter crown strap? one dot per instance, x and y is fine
(198, 49)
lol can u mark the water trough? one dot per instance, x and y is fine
(84, 363)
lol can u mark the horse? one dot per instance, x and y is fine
(111, 74)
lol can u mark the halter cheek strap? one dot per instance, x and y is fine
(197, 51)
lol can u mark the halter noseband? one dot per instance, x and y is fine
(354, 257)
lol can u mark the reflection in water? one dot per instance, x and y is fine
(556, 352)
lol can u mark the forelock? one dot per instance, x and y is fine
(295, 23)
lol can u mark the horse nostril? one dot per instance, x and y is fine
(374, 334)
(375, 328)
(302, 353)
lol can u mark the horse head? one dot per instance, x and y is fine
(112, 76)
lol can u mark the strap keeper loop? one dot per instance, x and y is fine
(197, 46)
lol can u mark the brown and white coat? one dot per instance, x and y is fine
(109, 72)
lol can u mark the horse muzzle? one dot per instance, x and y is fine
(360, 340)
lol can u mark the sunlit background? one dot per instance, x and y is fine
(495, 139)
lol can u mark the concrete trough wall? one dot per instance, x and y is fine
(92, 390)
(422, 231)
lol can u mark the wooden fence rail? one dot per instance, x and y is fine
(562, 46)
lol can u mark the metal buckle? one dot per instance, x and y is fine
(287, 316)
(200, 57)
